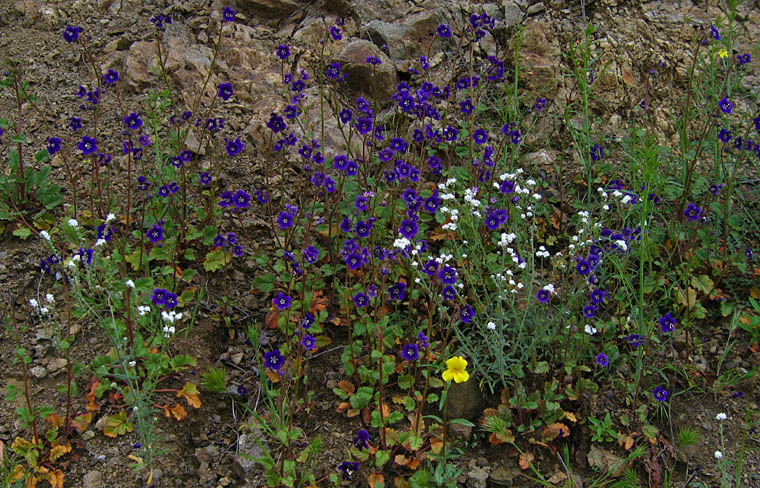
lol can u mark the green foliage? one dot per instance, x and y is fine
(215, 380)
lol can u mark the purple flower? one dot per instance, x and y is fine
(241, 199)
(308, 342)
(311, 254)
(602, 360)
(724, 135)
(88, 145)
(283, 52)
(335, 33)
(589, 311)
(667, 323)
(71, 33)
(583, 267)
(171, 300)
(53, 145)
(660, 394)
(228, 14)
(133, 121)
(449, 292)
(285, 220)
(281, 301)
(543, 296)
(155, 233)
(540, 104)
(397, 291)
(693, 213)
(444, 31)
(276, 124)
(410, 352)
(333, 71)
(159, 296)
(714, 33)
(274, 360)
(225, 91)
(361, 441)
(75, 123)
(111, 77)
(307, 321)
(725, 105)
(635, 340)
(466, 107)
(423, 339)
(466, 314)
(480, 136)
(234, 147)
(408, 228)
(598, 295)
(597, 152)
(346, 115)
(348, 468)
(448, 275)
(360, 300)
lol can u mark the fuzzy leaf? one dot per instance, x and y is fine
(190, 393)
(118, 425)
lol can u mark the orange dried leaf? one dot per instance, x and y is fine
(352, 412)
(177, 411)
(436, 445)
(525, 461)
(55, 420)
(628, 443)
(81, 422)
(59, 451)
(273, 376)
(347, 387)
(366, 415)
(342, 407)
(554, 431)
(92, 405)
(375, 478)
(401, 460)
(190, 393)
(414, 463)
(270, 321)
(571, 417)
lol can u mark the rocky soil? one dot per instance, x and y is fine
(643, 48)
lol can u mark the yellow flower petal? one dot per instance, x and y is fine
(723, 53)
(448, 375)
(461, 376)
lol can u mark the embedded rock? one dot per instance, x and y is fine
(362, 77)
(465, 400)
(268, 9)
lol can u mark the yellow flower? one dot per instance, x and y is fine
(723, 53)
(456, 370)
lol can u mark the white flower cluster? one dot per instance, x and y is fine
(42, 310)
(143, 310)
(170, 317)
(469, 197)
(542, 252)
(506, 239)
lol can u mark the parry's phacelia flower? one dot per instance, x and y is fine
(285, 220)
(660, 394)
(159, 296)
(693, 213)
(725, 105)
(308, 342)
(449, 292)
(410, 352)
(281, 301)
(155, 233)
(543, 296)
(53, 145)
(667, 323)
(602, 360)
(71, 33)
(361, 441)
(348, 468)
(480, 136)
(333, 71)
(335, 33)
(597, 152)
(241, 199)
(360, 300)
(111, 77)
(234, 147)
(444, 31)
(397, 291)
(225, 91)
(448, 275)
(273, 360)
(133, 121)
(88, 145)
(228, 14)
(283, 52)
(466, 314)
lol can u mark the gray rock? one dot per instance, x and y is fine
(248, 449)
(536, 8)
(465, 400)
(268, 9)
(93, 479)
(512, 13)
(362, 77)
(38, 371)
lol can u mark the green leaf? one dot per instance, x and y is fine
(215, 260)
(462, 422)
(382, 457)
(41, 156)
(264, 283)
(22, 232)
(19, 138)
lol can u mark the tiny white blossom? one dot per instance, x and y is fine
(491, 326)
(621, 243)
(132, 363)
(606, 207)
(45, 235)
(590, 330)
(530, 182)
(33, 303)
(417, 280)
(110, 217)
(49, 298)
(130, 283)
(549, 288)
(721, 416)
(143, 310)
(73, 223)
(718, 455)
(537, 196)
(100, 242)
